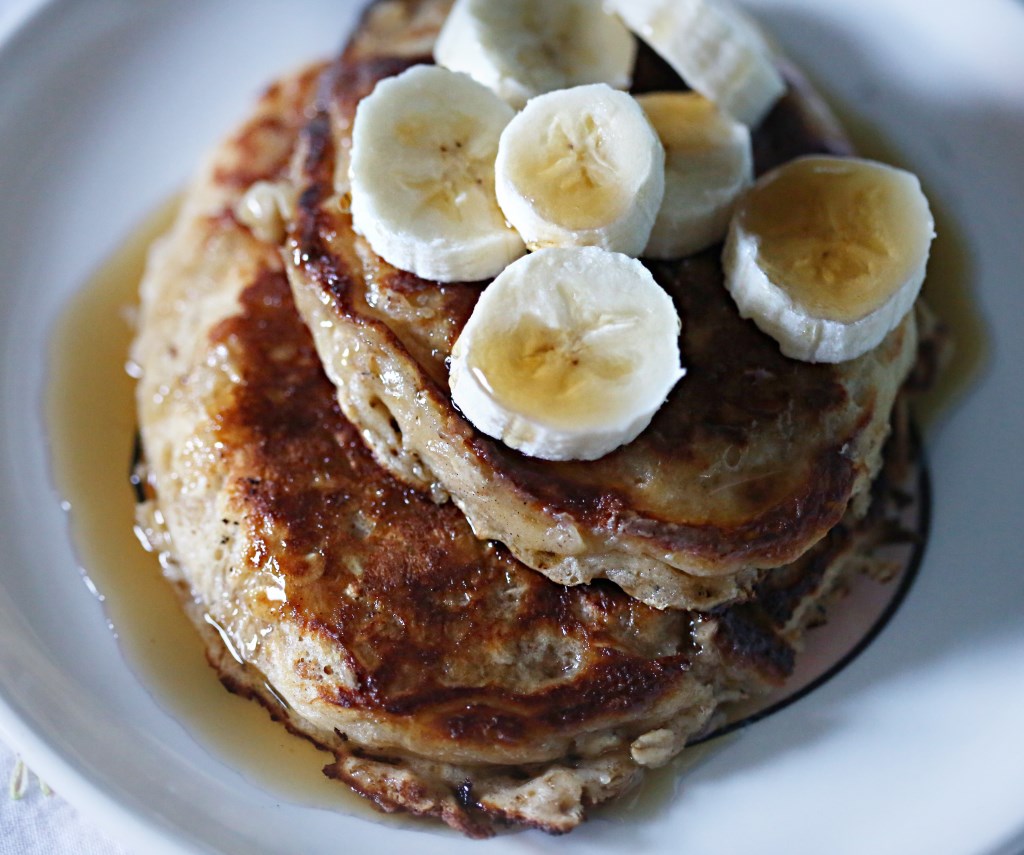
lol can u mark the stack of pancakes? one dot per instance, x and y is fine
(475, 635)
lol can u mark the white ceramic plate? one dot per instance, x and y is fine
(105, 108)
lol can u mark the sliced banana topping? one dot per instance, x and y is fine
(581, 167)
(714, 47)
(525, 48)
(708, 163)
(828, 254)
(568, 354)
(422, 175)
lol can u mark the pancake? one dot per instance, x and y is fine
(753, 458)
(444, 677)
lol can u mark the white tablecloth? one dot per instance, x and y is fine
(36, 821)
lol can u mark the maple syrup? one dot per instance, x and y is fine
(91, 414)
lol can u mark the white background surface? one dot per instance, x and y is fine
(105, 107)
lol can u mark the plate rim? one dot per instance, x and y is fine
(76, 784)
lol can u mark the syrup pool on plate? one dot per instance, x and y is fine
(91, 414)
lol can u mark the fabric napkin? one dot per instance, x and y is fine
(36, 821)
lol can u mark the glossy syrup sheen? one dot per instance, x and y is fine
(91, 412)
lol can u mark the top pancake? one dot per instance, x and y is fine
(752, 459)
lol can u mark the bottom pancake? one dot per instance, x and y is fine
(445, 678)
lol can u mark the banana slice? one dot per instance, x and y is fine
(828, 254)
(568, 354)
(714, 47)
(581, 167)
(524, 48)
(422, 175)
(708, 163)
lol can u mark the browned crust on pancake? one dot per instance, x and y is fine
(442, 587)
